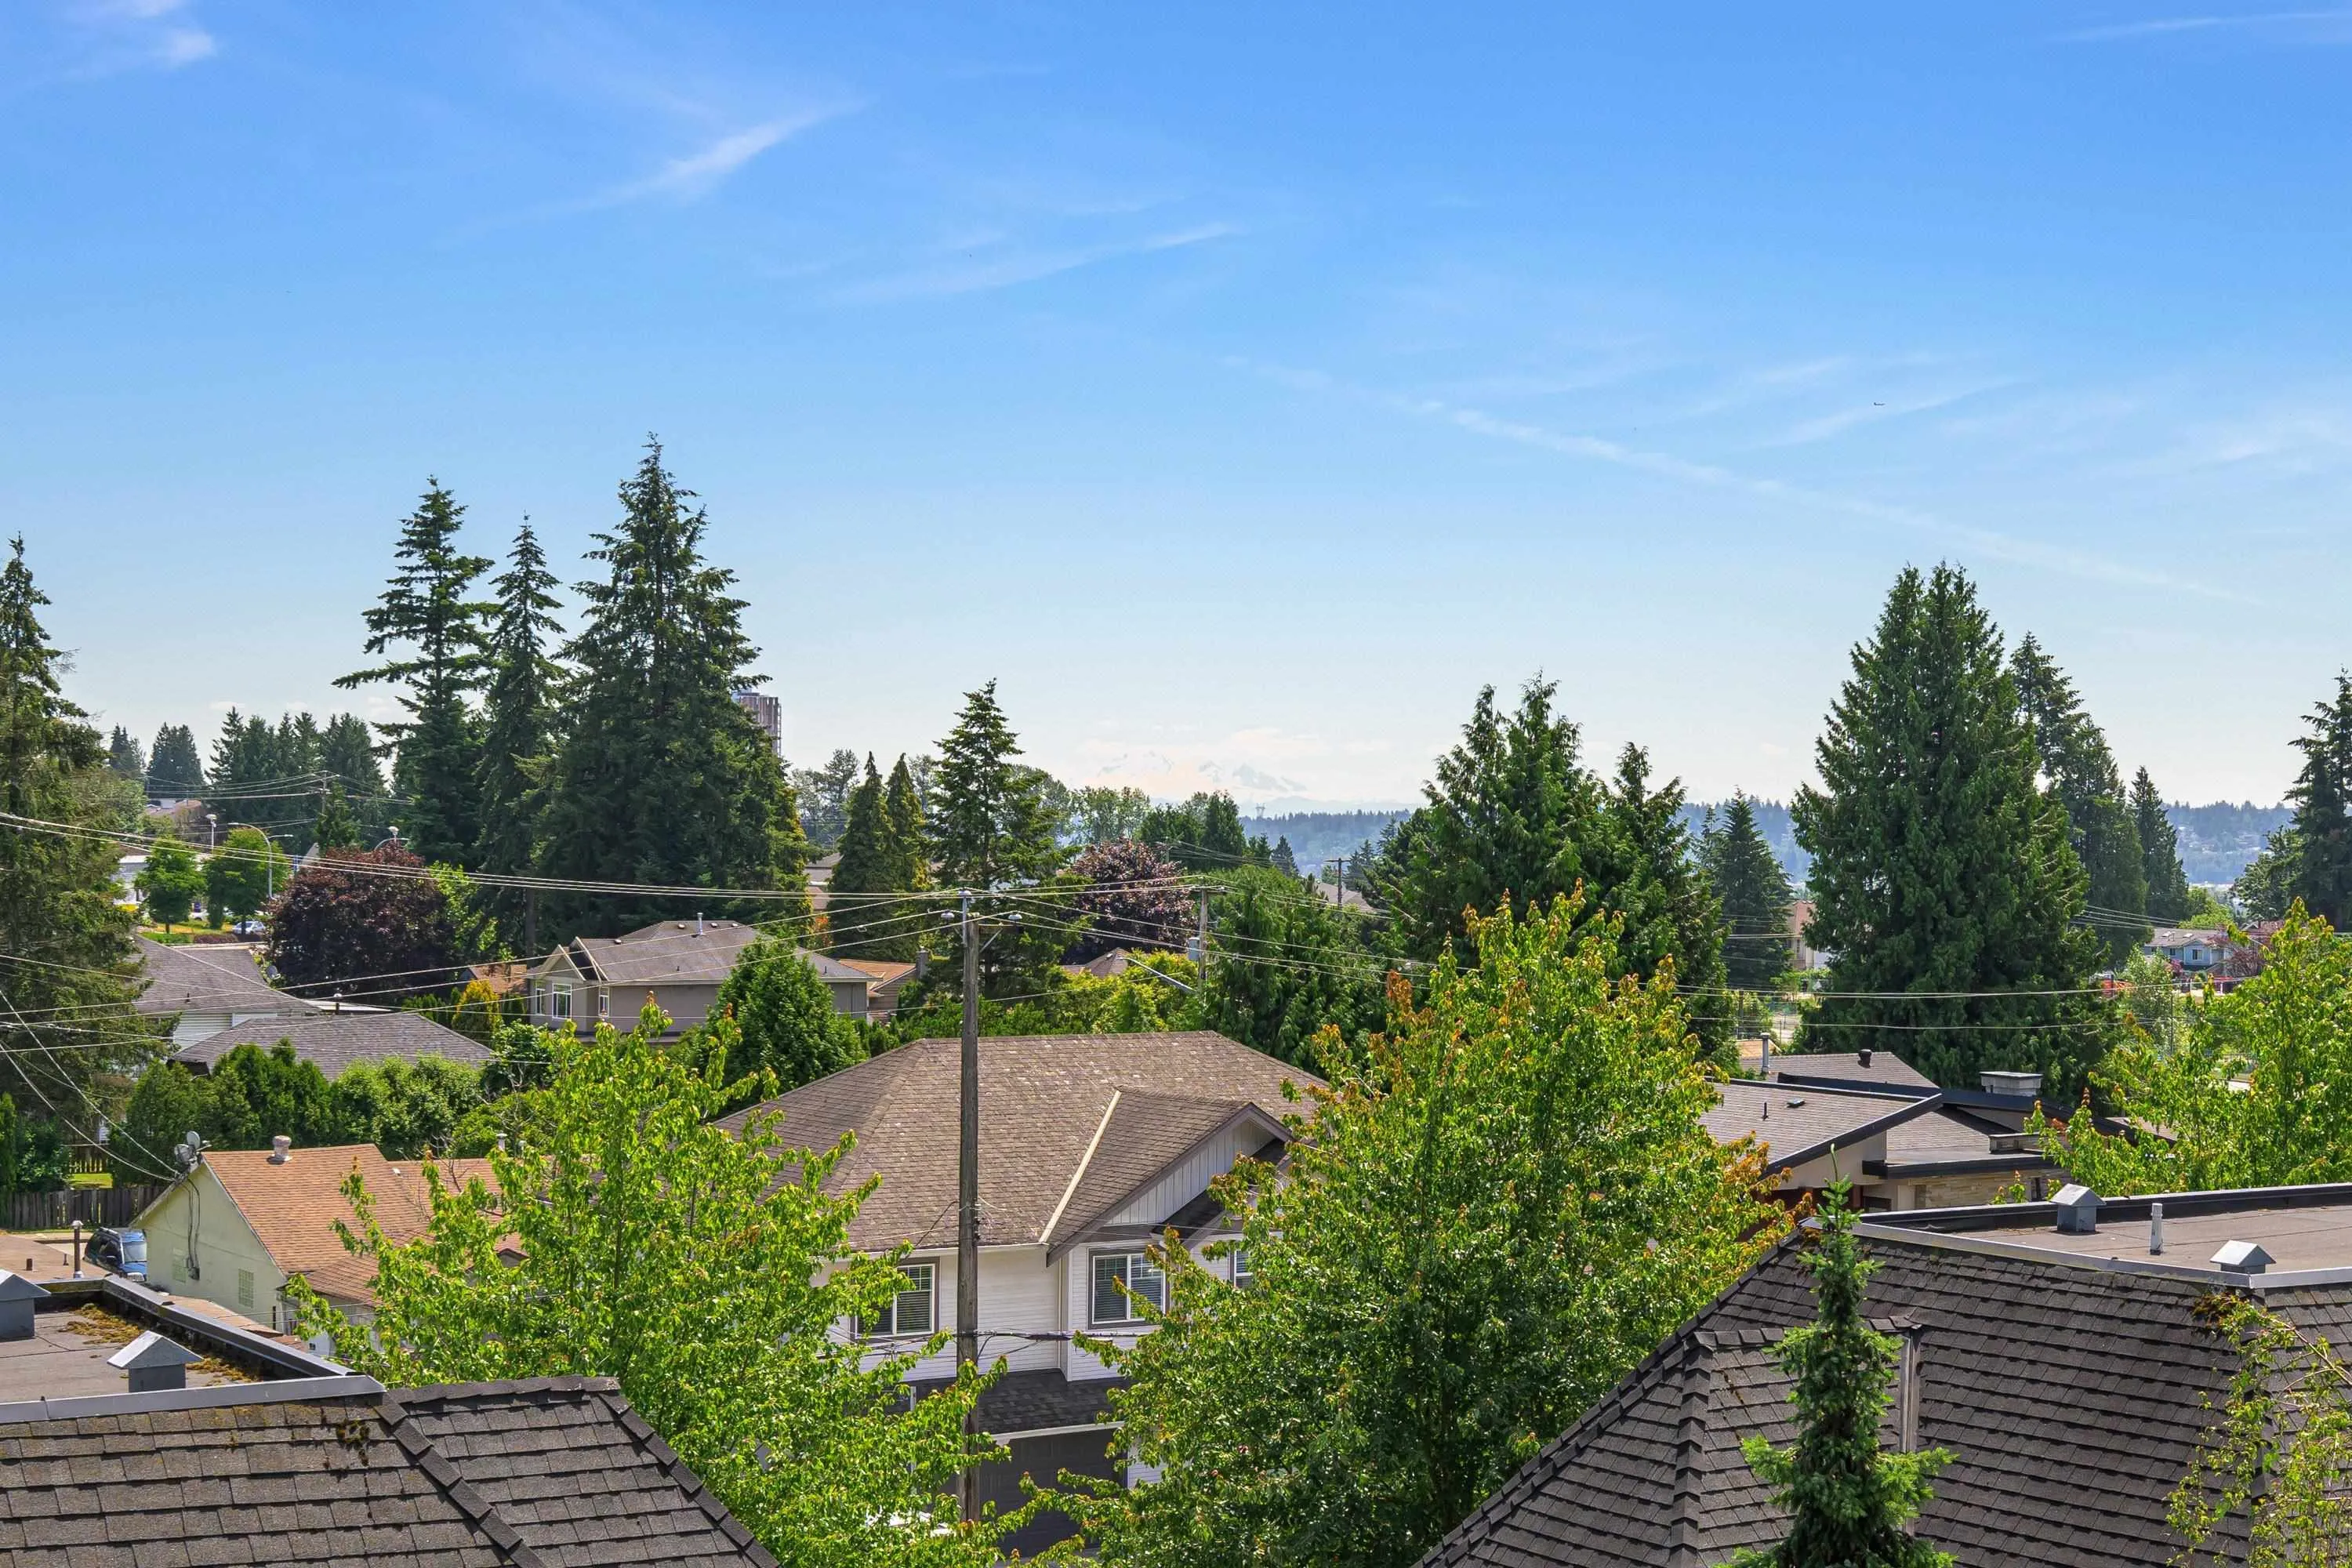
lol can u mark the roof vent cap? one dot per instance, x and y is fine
(282, 1149)
(17, 1296)
(2078, 1210)
(155, 1363)
(2025, 1083)
(1862, 1056)
(2242, 1258)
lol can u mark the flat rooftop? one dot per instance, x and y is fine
(66, 1357)
(2308, 1231)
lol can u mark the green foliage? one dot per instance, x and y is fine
(124, 760)
(1102, 814)
(407, 1108)
(343, 918)
(785, 1019)
(1285, 964)
(988, 823)
(424, 606)
(174, 771)
(862, 919)
(518, 716)
(1131, 898)
(660, 775)
(1203, 834)
(1650, 877)
(2322, 796)
(1754, 891)
(709, 1274)
(337, 828)
(2280, 1451)
(1496, 1210)
(2205, 913)
(825, 798)
(2265, 889)
(1939, 867)
(257, 1095)
(2285, 1035)
(1847, 1499)
(347, 754)
(2168, 896)
(170, 882)
(2080, 771)
(168, 1103)
(244, 874)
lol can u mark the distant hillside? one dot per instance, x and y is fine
(1319, 836)
(2219, 841)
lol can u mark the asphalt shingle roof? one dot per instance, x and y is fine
(1883, 1070)
(1043, 1098)
(557, 1472)
(196, 979)
(1796, 1122)
(337, 1041)
(293, 1208)
(681, 952)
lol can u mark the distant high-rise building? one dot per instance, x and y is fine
(767, 712)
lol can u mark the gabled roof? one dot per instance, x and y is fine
(2067, 1374)
(1884, 1070)
(340, 1470)
(1798, 1122)
(334, 1041)
(1047, 1115)
(195, 978)
(683, 952)
(293, 1208)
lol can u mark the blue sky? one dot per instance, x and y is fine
(1241, 387)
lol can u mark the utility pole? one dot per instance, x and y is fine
(1202, 942)
(967, 1339)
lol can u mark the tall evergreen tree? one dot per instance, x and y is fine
(1650, 877)
(1941, 876)
(866, 920)
(123, 757)
(347, 750)
(174, 771)
(425, 610)
(824, 798)
(519, 709)
(1756, 897)
(67, 975)
(660, 775)
(2079, 769)
(2159, 852)
(989, 827)
(2322, 797)
(335, 827)
(1847, 1499)
(903, 803)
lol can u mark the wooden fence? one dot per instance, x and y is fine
(93, 1206)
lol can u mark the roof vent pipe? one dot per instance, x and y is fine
(698, 922)
(2078, 1210)
(2155, 1229)
(282, 1149)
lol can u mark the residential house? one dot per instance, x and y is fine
(245, 1221)
(206, 988)
(2188, 951)
(1091, 1147)
(1804, 957)
(885, 980)
(333, 1041)
(2068, 1372)
(680, 964)
(135, 1431)
(1102, 966)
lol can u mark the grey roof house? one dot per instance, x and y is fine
(207, 987)
(680, 964)
(1091, 1147)
(1968, 1145)
(2068, 1374)
(333, 1041)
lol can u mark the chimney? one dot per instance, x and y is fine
(1862, 1056)
(2020, 1083)
(155, 1364)
(17, 1295)
(2242, 1258)
(2078, 1210)
(282, 1149)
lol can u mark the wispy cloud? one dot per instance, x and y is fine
(2332, 25)
(132, 35)
(1838, 422)
(1715, 476)
(696, 174)
(980, 271)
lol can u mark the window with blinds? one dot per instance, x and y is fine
(1121, 1280)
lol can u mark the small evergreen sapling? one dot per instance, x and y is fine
(1847, 1499)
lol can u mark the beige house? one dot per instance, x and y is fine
(236, 1229)
(680, 964)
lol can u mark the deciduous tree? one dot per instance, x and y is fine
(170, 882)
(1942, 878)
(376, 921)
(785, 1022)
(1285, 965)
(711, 1273)
(824, 798)
(1130, 896)
(1496, 1209)
(244, 873)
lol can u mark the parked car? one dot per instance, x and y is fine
(250, 928)
(125, 1251)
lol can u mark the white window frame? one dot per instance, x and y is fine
(604, 1004)
(559, 1001)
(1132, 1270)
(1237, 1267)
(890, 1322)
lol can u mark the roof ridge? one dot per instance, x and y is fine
(650, 1443)
(1079, 1172)
(478, 1509)
(1690, 1434)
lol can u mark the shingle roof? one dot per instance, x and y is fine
(293, 1208)
(683, 952)
(1043, 1098)
(2069, 1391)
(1798, 1122)
(1019, 1402)
(335, 1041)
(333, 1472)
(1882, 1070)
(191, 979)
